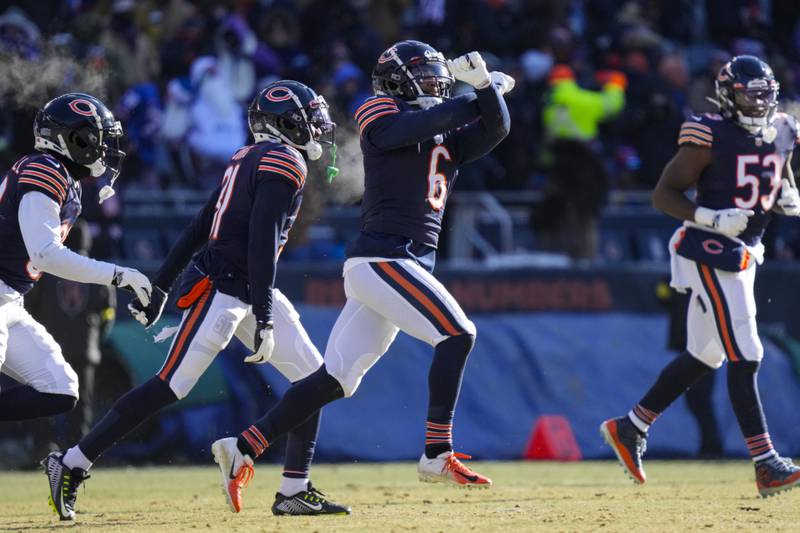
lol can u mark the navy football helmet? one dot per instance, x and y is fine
(290, 112)
(747, 92)
(413, 71)
(81, 128)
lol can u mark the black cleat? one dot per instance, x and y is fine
(64, 483)
(307, 502)
(776, 475)
(628, 443)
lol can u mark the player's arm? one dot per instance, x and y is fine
(682, 172)
(190, 240)
(479, 138)
(271, 206)
(40, 225)
(385, 127)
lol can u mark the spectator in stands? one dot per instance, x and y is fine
(566, 220)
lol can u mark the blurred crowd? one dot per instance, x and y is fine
(180, 74)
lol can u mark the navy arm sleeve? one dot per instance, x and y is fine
(271, 205)
(190, 240)
(408, 128)
(481, 136)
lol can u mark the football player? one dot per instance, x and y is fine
(413, 139)
(226, 291)
(739, 162)
(76, 139)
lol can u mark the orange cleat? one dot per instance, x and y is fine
(446, 468)
(629, 445)
(236, 468)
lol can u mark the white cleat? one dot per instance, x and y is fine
(236, 468)
(446, 468)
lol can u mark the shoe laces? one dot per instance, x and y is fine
(641, 445)
(318, 494)
(74, 478)
(244, 475)
(453, 463)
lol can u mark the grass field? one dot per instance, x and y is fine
(590, 496)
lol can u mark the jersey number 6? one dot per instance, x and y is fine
(743, 180)
(224, 199)
(437, 182)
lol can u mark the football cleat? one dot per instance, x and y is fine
(236, 469)
(446, 468)
(628, 443)
(308, 502)
(776, 475)
(64, 483)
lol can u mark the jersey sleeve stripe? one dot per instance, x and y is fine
(376, 109)
(697, 125)
(699, 133)
(34, 175)
(283, 155)
(270, 161)
(374, 101)
(367, 122)
(683, 139)
(41, 185)
(50, 170)
(277, 170)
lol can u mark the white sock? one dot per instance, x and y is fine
(74, 458)
(638, 422)
(292, 485)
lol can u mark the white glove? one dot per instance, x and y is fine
(730, 222)
(133, 280)
(264, 343)
(471, 69)
(789, 200)
(503, 81)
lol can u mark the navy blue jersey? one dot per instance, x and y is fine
(745, 170)
(242, 227)
(227, 250)
(40, 173)
(411, 160)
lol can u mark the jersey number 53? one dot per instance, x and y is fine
(744, 180)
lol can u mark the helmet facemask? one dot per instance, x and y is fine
(305, 128)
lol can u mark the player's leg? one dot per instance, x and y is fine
(411, 298)
(733, 298)
(49, 385)
(359, 338)
(205, 330)
(296, 357)
(627, 435)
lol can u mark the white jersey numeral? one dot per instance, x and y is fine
(437, 182)
(753, 183)
(224, 199)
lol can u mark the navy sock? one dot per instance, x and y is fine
(23, 402)
(300, 447)
(444, 384)
(136, 406)
(680, 374)
(301, 401)
(746, 402)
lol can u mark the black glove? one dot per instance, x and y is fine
(147, 315)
